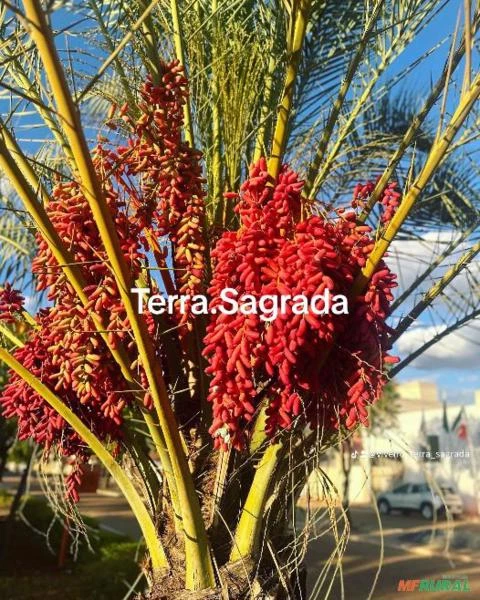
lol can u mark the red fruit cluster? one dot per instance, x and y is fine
(73, 481)
(64, 351)
(170, 198)
(152, 187)
(389, 199)
(329, 367)
(11, 303)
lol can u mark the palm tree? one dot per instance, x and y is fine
(111, 182)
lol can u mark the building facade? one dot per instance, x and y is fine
(431, 442)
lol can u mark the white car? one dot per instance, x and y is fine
(420, 497)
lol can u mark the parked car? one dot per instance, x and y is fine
(420, 497)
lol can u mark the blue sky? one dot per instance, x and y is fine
(455, 364)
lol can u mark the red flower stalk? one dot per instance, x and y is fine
(170, 199)
(389, 199)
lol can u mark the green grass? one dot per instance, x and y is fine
(29, 570)
(5, 498)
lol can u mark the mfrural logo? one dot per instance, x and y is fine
(433, 585)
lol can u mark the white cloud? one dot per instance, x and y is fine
(410, 258)
(31, 302)
(458, 350)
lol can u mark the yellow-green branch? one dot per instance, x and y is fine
(118, 49)
(112, 46)
(247, 535)
(199, 567)
(19, 75)
(435, 291)
(218, 201)
(35, 198)
(398, 44)
(9, 334)
(346, 126)
(155, 549)
(434, 159)
(416, 123)
(196, 371)
(180, 52)
(337, 105)
(249, 527)
(260, 141)
(298, 28)
(150, 38)
(408, 293)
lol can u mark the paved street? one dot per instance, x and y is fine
(412, 549)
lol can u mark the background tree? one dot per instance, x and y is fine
(8, 434)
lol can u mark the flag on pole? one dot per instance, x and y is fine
(459, 426)
(462, 431)
(445, 418)
(423, 431)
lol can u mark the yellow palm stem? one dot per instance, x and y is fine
(150, 38)
(249, 527)
(260, 141)
(180, 52)
(434, 159)
(298, 28)
(259, 436)
(196, 371)
(8, 333)
(199, 566)
(217, 171)
(247, 535)
(34, 198)
(157, 554)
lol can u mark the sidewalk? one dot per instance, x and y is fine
(112, 512)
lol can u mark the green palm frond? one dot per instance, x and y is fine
(17, 244)
(453, 194)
